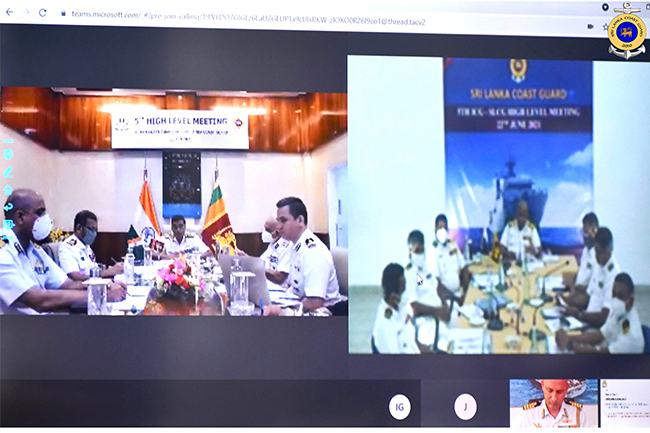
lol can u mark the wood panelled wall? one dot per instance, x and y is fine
(290, 124)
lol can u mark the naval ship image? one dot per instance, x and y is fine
(510, 189)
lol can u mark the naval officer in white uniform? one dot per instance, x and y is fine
(520, 238)
(312, 277)
(393, 331)
(76, 257)
(621, 332)
(277, 261)
(180, 241)
(30, 281)
(553, 411)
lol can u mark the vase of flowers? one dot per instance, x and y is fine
(181, 281)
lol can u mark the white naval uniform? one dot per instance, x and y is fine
(277, 258)
(449, 262)
(75, 256)
(312, 272)
(426, 294)
(21, 270)
(516, 240)
(191, 243)
(537, 415)
(587, 263)
(601, 284)
(625, 334)
(393, 333)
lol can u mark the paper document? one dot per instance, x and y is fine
(127, 304)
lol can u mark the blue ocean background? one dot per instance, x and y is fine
(522, 391)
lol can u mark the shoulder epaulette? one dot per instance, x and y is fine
(72, 241)
(409, 266)
(435, 244)
(388, 313)
(512, 223)
(532, 404)
(3, 241)
(572, 403)
(529, 224)
(610, 267)
(310, 243)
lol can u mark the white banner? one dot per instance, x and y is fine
(179, 129)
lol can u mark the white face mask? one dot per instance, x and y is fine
(418, 260)
(618, 308)
(267, 237)
(441, 235)
(42, 227)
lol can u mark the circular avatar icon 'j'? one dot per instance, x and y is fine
(626, 32)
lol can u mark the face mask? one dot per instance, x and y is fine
(42, 227)
(618, 308)
(441, 235)
(589, 241)
(90, 236)
(418, 260)
(267, 237)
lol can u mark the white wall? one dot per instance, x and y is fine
(396, 168)
(396, 159)
(109, 183)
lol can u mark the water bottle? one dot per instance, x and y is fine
(235, 281)
(129, 266)
(96, 294)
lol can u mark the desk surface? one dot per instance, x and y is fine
(519, 289)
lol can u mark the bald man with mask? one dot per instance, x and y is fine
(30, 281)
(553, 410)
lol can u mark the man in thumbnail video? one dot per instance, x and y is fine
(590, 305)
(30, 281)
(587, 258)
(393, 331)
(180, 241)
(312, 276)
(520, 237)
(76, 256)
(621, 333)
(553, 410)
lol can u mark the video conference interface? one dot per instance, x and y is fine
(482, 261)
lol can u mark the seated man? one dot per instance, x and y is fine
(393, 332)
(452, 272)
(312, 277)
(421, 299)
(30, 281)
(590, 304)
(621, 332)
(75, 255)
(589, 230)
(520, 239)
(553, 410)
(179, 241)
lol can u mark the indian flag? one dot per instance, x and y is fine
(145, 225)
(217, 226)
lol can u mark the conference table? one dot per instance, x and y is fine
(520, 290)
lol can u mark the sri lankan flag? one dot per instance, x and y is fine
(217, 228)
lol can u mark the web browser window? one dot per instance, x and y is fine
(359, 214)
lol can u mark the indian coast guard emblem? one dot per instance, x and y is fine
(626, 32)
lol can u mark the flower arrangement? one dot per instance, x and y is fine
(58, 235)
(181, 280)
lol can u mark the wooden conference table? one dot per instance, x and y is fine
(519, 291)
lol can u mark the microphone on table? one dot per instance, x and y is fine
(544, 297)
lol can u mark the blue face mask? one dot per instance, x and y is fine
(89, 237)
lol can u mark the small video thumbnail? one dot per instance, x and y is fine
(553, 403)
(624, 403)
